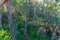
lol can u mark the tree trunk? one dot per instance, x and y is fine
(42, 8)
(34, 15)
(34, 12)
(1, 17)
(26, 20)
(9, 14)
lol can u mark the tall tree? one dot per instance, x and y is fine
(26, 20)
(34, 15)
(9, 14)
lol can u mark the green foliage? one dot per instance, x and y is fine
(18, 8)
(4, 35)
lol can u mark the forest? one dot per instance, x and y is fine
(30, 20)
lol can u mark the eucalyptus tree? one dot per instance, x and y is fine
(26, 20)
(34, 11)
(9, 15)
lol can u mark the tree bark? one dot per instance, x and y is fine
(9, 14)
(1, 17)
(34, 12)
(26, 20)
